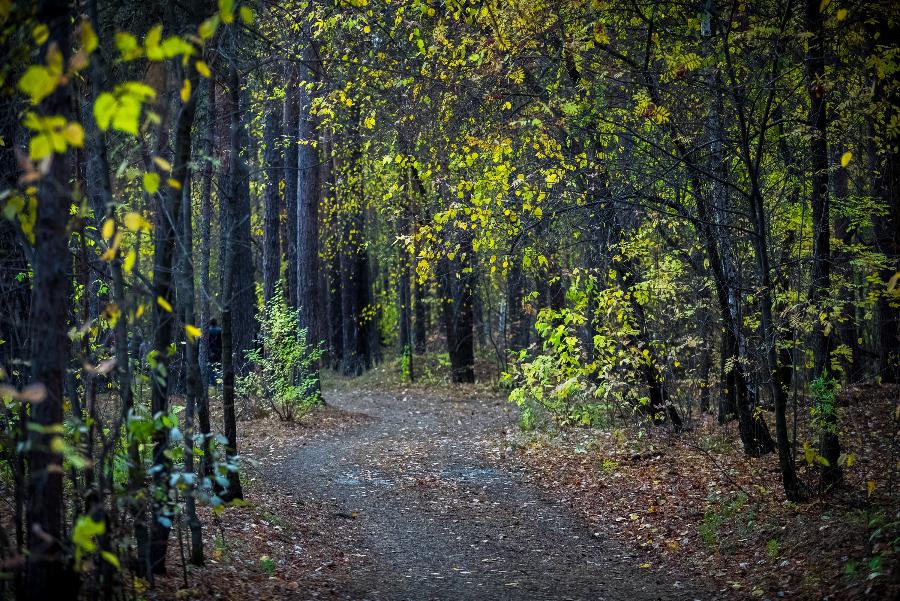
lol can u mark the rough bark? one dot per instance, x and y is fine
(271, 258)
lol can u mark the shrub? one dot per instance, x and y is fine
(285, 377)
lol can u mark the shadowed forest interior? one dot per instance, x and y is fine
(449, 299)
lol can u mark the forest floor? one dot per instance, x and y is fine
(408, 493)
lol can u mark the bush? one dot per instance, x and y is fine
(285, 376)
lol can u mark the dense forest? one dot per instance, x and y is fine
(645, 217)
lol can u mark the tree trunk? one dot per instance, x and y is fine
(290, 130)
(820, 280)
(306, 225)
(47, 574)
(271, 259)
(232, 289)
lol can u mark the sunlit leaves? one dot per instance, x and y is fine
(52, 134)
(128, 46)
(151, 182)
(846, 158)
(207, 28)
(164, 304)
(122, 108)
(192, 332)
(226, 11)
(202, 68)
(38, 82)
(135, 222)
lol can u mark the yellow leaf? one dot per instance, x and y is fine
(109, 228)
(127, 45)
(110, 559)
(845, 158)
(151, 44)
(202, 68)
(186, 90)
(174, 183)
(104, 108)
(870, 487)
(39, 147)
(130, 259)
(89, 41)
(38, 82)
(139, 311)
(41, 33)
(192, 332)
(246, 14)
(226, 11)
(164, 304)
(135, 221)
(208, 27)
(151, 182)
(841, 14)
(162, 163)
(74, 134)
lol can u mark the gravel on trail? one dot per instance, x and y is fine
(424, 508)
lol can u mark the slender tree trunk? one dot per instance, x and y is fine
(230, 286)
(271, 204)
(47, 573)
(290, 130)
(205, 288)
(195, 389)
(820, 281)
(306, 226)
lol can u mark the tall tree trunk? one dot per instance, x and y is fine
(168, 230)
(290, 128)
(205, 290)
(306, 226)
(195, 386)
(820, 281)
(237, 203)
(271, 203)
(456, 302)
(47, 573)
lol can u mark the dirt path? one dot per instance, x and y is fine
(421, 512)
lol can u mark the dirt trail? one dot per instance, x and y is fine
(422, 513)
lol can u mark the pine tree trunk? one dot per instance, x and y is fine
(47, 574)
(290, 128)
(271, 259)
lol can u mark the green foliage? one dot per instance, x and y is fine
(285, 376)
(824, 390)
(772, 549)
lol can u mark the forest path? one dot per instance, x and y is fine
(421, 512)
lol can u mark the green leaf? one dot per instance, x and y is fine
(110, 559)
(104, 109)
(151, 44)
(127, 45)
(86, 530)
(38, 147)
(151, 182)
(38, 82)
(127, 116)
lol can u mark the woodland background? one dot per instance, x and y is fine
(632, 217)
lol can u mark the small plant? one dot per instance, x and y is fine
(610, 466)
(824, 392)
(285, 375)
(772, 549)
(267, 565)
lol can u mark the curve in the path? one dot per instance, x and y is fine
(431, 519)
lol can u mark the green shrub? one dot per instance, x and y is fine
(285, 376)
